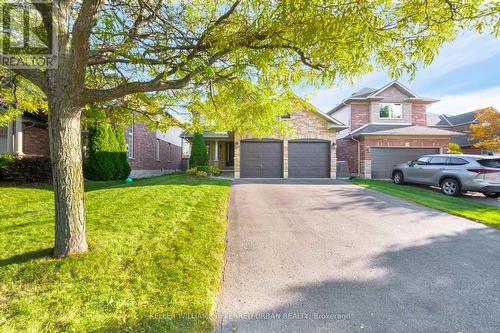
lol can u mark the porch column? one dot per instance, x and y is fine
(285, 158)
(10, 134)
(18, 137)
(216, 152)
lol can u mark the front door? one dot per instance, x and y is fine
(229, 154)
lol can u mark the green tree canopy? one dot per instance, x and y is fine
(199, 53)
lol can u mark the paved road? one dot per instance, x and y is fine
(333, 257)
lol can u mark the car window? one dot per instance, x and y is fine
(423, 160)
(490, 163)
(457, 161)
(438, 160)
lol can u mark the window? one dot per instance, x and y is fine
(423, 160)
(157, 150)
(457, 161)
(438, 160)
(169, 152)
(130, 145)
(490, 163)
(285, 117)
(390, 111)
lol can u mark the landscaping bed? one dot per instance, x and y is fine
(155, 259)
(473, 210)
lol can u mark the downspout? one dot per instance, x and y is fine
(359, 155)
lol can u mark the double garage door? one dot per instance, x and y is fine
(264, 159)
(384, 159)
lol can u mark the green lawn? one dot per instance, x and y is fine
(470, 209)
(156, 256)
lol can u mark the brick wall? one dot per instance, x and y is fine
(393, 95)
(360, 115)
(472, 150)
(145, 151)
(347, 150)
(36, 141)
(306, 125)
(419, 114)
(414, 142)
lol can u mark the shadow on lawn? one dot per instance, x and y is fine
(170, 179)
(25, 257)
(445, 284)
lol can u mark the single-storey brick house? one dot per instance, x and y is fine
(460, 123)
(309, 153)
(386, 126)
(150, 152)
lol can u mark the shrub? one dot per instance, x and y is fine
(214, 171)
(199, 154)
(454, 148)
(204, 168)
(122, 154)
(6, 159)
(201, 174)
(25, 168)
(106, 153)
(192, 171)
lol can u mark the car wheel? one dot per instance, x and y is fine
(398, 178)
(492, 194)
(450, 186)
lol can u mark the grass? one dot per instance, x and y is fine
(470, 209)
(154, 266)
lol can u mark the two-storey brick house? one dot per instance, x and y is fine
(386, 126)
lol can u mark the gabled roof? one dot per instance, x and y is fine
(463, 141)
(459, 119)
(371, 94)
(402, 130)
(395, 83)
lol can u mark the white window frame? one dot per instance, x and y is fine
(130, 145)
(391, 114)
(157, 149)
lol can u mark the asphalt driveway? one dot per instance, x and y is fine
(334, 257)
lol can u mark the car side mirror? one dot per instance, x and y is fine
(411, 163)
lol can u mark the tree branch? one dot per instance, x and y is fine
(156, 84)
(35, 76)
(84, 23)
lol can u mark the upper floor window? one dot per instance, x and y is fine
(391, 111)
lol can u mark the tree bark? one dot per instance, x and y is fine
(66, 155)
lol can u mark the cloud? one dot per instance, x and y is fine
(467, 51)
(456, 104)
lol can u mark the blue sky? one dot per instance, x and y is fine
(464, 77)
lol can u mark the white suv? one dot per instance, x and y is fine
(455, 174)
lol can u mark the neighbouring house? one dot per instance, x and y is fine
(27, 135)
(460, 123)
(308, 153)
(386, 126)
(149, 152)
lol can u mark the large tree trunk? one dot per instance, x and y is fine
(66, 155)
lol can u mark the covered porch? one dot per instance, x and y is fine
(220, 149)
